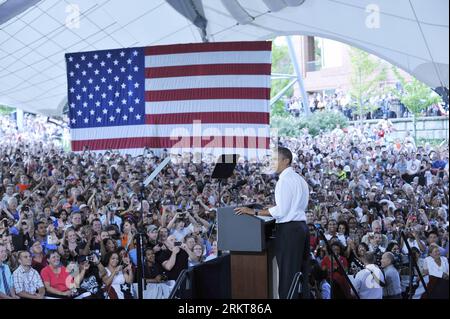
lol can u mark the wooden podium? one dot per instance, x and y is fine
(254, 273)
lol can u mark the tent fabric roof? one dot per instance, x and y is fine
(412, 34)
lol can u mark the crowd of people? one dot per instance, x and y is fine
(382, 106)
(68, 220)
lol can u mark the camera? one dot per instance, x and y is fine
(177, 244)
(90, 258)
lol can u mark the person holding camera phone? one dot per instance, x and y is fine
(90, 273)
(118, 277)
(174, 259)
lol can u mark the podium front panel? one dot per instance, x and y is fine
(240, 233)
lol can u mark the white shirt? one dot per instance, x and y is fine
(291, 197)
(366, 285)
(434, 269)
(413, 166)
(412, 243)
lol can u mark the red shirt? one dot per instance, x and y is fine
(22, 187)
(326, 263)
(60, 282)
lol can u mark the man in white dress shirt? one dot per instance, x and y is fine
(292, 236)
(369, 282)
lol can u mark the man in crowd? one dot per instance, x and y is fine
(27, 281)
(392, 288)
(368, 282)
(6, 280)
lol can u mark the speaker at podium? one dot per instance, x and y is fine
(254, 273)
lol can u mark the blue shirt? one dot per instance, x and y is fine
(9, 278)
(439, 164)
(133, 256)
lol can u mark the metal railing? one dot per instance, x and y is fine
(294, 286)
(182, 280)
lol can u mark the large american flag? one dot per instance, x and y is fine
(211, 97)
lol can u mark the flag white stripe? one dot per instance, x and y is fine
(211, 81)
(191, 106)
(230, 57)
(175, 130)
(245, 152)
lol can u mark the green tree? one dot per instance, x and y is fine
(323, 121)
(6, 110)
(281, 63)
(416, 97)
(367, 73)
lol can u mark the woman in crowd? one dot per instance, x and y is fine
(108, 245)
(39, 260)
(118, 277)
(71, 246)
(355, 255)
(57, 281)
(128, 232)
(341, 289)
(435, 265)
(153, 272)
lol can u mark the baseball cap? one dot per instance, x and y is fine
(83, 206)
(152, 228)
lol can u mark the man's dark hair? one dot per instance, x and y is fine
(95, 220)
(19, 254)
(36, 226)
(432, 232)
(285, 153)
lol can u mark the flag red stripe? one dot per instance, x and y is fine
(208, 94)
(208, 69)
(208, 118)
(177, 142)
(209, 47)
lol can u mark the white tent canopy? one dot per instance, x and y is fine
(35, 35)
